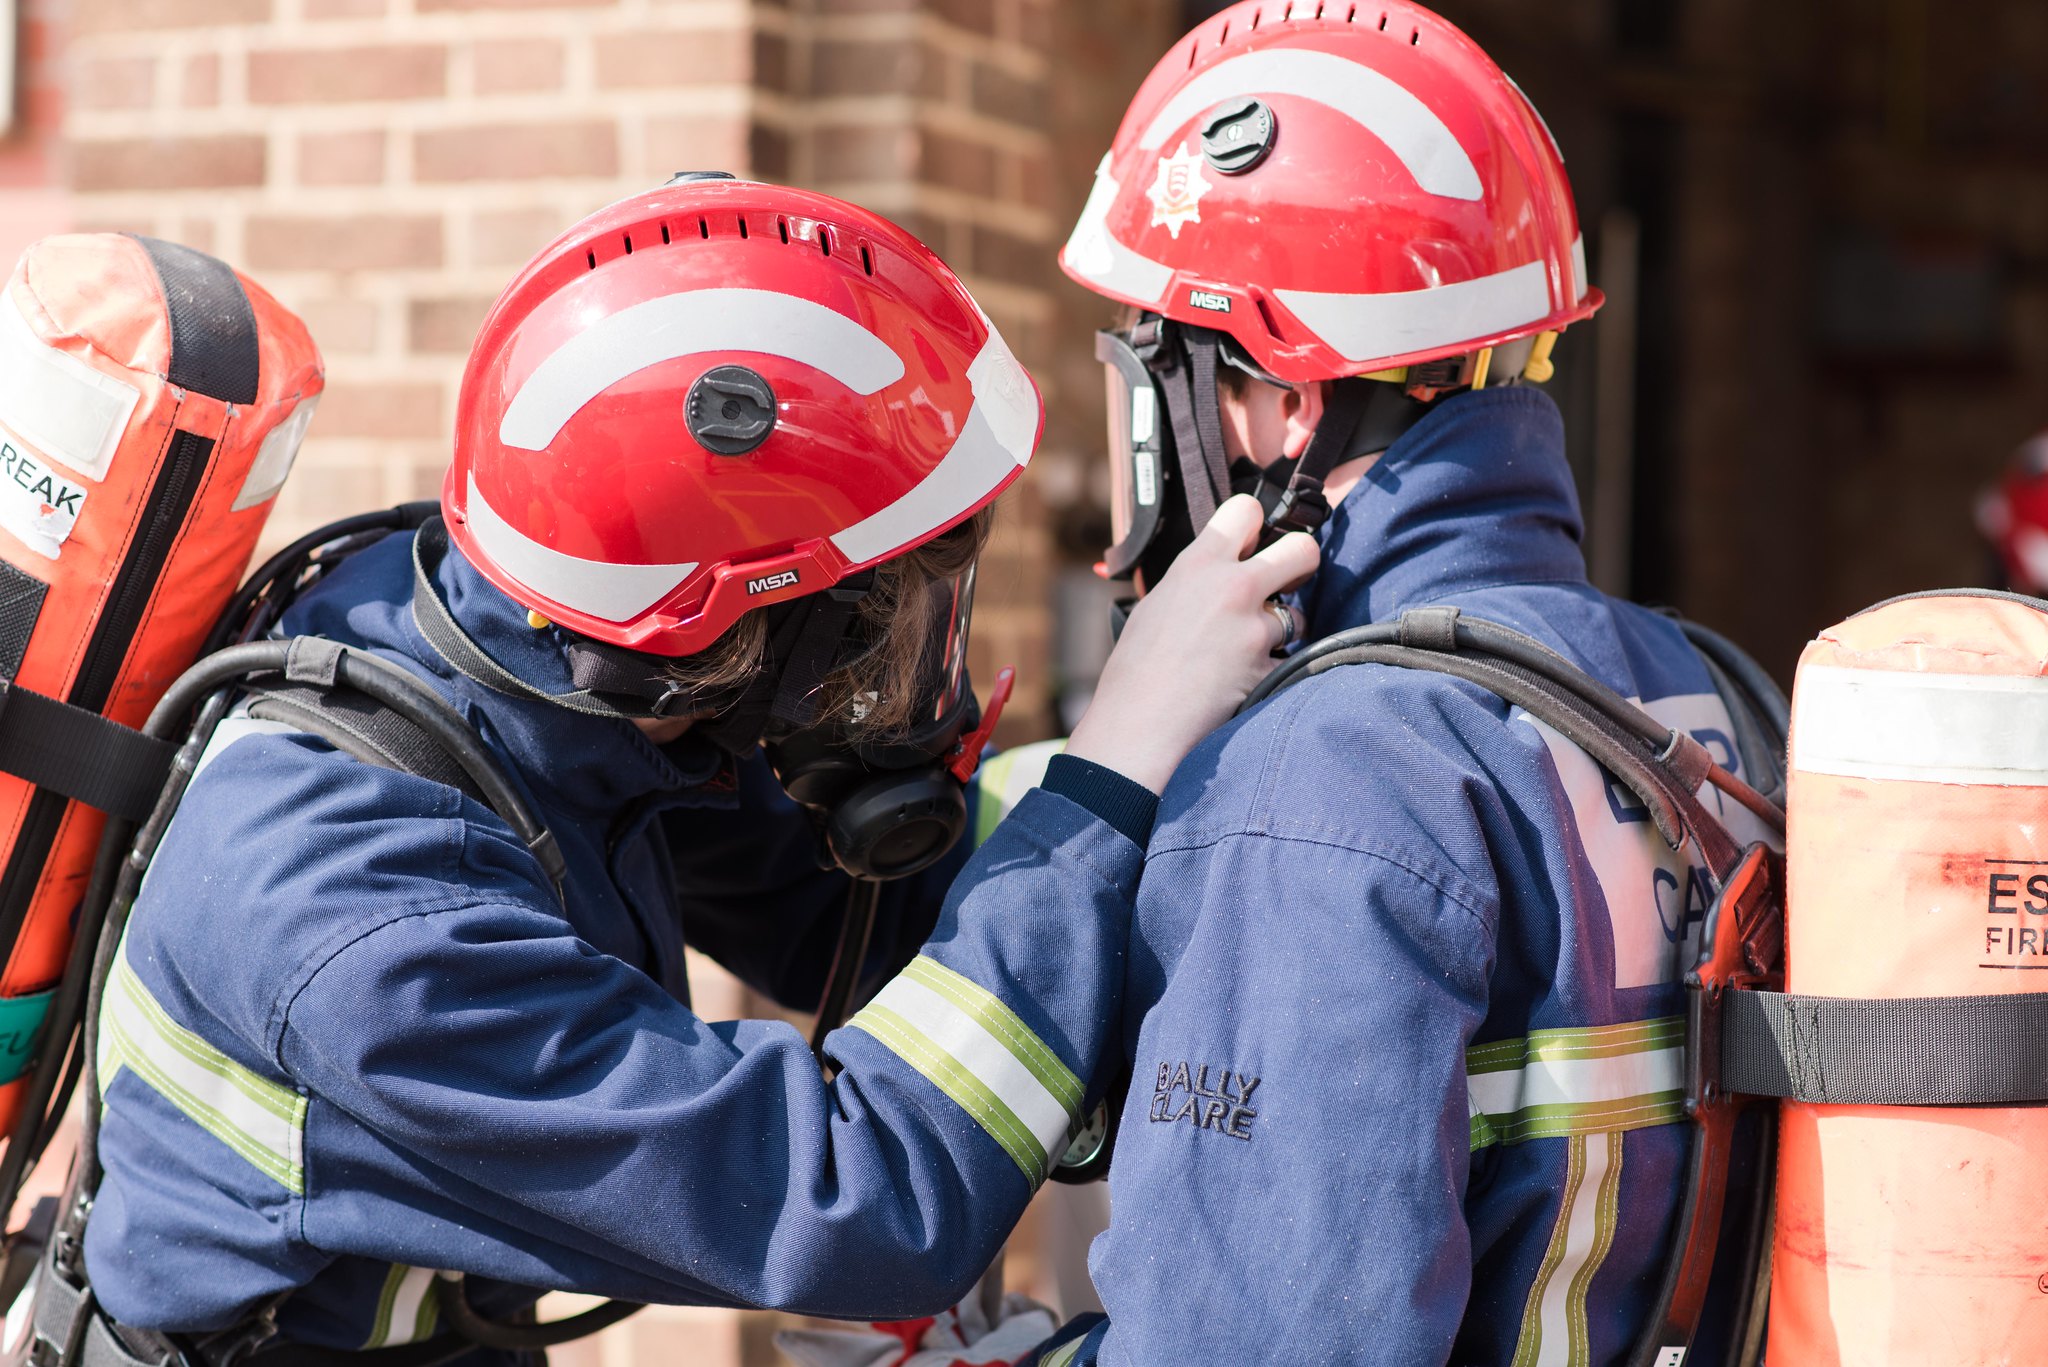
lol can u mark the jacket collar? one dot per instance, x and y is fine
(573, 761)
(1477, 493)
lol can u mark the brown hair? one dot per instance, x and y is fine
(896, 615)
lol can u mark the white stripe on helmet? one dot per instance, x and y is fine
(1579, 281)
(1366, 327)
(598, 588)
(1094, 251)
(1376, 102)
(685, 324)
(996, 438)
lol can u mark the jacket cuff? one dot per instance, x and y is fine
(1127, 805)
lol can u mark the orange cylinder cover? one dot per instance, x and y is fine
(1917, 866)
(151, 402)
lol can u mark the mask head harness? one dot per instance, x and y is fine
(883, 809)
(1169, 476)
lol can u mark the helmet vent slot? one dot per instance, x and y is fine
(1383, 23)
(703, 228)
(1256, 15)
(782, 226)
(664, 235)
(591, 257)
(1415, 38)
(824, 240)
(867, 262)
(629, 243)
(743, 228)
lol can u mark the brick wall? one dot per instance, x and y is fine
(33, 199)
(384, 166)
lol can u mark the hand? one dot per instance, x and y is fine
(961, 1337)
(1194, 647)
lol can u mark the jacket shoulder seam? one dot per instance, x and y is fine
(1456, 891)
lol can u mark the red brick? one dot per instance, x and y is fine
(865, 152)
(956, 163)
(345, 9)
(335, 75)
(518, 64)
(196, 233)
(873, 68)
(867, 6)
(1007, 257)
(440, 6)
(510, 237)
(976, 16)
(516, 151)
(674, 58)
(380, 408)
(200, 86)
(353, 158)
(771, 62)
(1013, 99)
(1033, 179)
(342, 327)
(445, 326)
(167, 163)
(349, 242)
(115, 82)
(105, 16)
(768, 152)
(697, 142)
(319, 492)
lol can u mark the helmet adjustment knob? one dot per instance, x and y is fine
(1237, 135)
(730, 410)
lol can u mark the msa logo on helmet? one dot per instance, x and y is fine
(768, 583)
(1210, 300)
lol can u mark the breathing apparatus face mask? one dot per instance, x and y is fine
(886, 803)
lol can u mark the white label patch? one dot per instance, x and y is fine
(1656, 896)
(57, 403)
(37, 504)
(1177, 190)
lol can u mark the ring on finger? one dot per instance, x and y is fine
(1290, 623)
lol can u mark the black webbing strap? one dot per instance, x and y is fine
(1197, 420)
(81, 754)
(1908, 1051)
(452, 643)
(364, 728)
(1302, 508)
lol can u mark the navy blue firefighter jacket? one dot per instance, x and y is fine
(352, 1036)
(1403, 1015)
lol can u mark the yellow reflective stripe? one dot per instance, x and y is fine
(1606, 1215)
(1004, 779)
(263, 1121)
(407, 1305)
(1589, 1080)
(1064, 1354)
(976, 1050)
(1529, 1342)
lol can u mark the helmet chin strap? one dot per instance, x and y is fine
(1360, 417)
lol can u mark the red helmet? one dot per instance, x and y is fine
(2013, 516)
(719, 395)
(1342, 188)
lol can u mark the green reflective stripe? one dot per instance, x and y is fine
(263, 1121)
(407, 1305)
(1003, 1024)
(1064, 1354)
(957, 1081)
(1598, 1041)
(1529, 1342)
(1003, 780)
(1559, 1083)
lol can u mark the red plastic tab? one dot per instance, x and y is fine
(967, 754)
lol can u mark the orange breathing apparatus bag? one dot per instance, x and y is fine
(1916, 1232)
(151, 402)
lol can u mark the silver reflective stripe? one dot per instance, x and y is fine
(1003, 780)
(976, 1050)
(1093, 251)
(1365, 327)
(1589, 1080)
(605, 590)
(1554, 1329)
(1374, 101)
(689, 323)
(1064, 1354)
(263, 1121)
(995, 440)
(66, 409)
(407, 1309)
(1925, 728)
